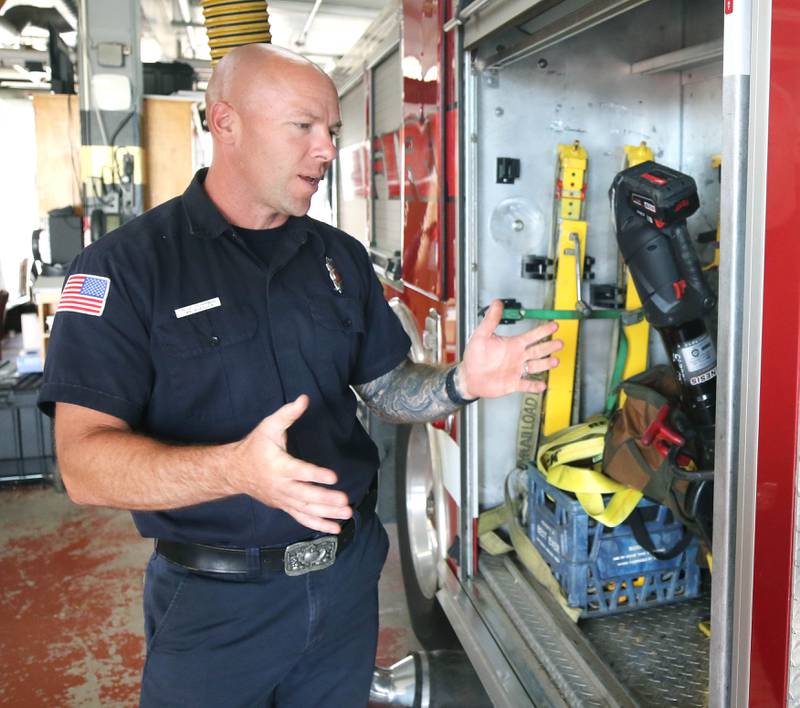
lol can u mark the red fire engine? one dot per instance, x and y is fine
(453, 116)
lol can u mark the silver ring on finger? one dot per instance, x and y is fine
(525, 372)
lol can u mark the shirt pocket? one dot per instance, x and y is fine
(208, 361)
(339, 327)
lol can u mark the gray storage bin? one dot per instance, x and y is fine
(26, 435)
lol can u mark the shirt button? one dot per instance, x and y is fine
(347, 322)
(214, 340)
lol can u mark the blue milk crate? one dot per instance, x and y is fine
(604, 570)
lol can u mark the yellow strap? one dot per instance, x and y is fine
(561, 380)
(492, 543)
(578, 450)
(585, 442)
(507, 514)
(571, 175)
(528, 428)
(589, 486)
(596, 427)
(571, 230)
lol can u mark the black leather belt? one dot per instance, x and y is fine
(295, 559)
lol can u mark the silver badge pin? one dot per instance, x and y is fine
(336, 279)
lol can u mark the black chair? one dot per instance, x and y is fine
(65, 231)
(39, 267)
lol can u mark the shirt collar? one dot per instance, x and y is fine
(205, 220)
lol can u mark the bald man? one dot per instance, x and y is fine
(200, 371)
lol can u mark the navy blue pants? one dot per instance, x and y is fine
(270, 640)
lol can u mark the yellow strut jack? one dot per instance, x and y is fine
(569, 261)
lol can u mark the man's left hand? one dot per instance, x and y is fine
(495, 366)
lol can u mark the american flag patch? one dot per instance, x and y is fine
(85, 294)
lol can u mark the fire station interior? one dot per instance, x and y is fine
(71, 625)
(521, 571)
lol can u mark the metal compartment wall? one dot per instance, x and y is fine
(588, 88)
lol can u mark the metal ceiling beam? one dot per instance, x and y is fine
(301, 40)
(330, 9)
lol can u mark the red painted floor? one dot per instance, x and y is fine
(70, 603)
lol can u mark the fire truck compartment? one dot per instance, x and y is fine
(651, 74)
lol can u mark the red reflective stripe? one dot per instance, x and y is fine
(654, 179)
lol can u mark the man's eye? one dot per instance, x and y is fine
(303, 126)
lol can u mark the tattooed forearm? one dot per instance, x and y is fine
(409, 393)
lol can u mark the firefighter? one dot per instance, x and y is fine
(200, 372)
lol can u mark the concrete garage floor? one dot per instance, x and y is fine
(70, 603)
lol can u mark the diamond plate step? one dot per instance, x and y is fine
(654, 657)
(660, 653)
(569, 661)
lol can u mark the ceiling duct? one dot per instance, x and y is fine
(54, 17)
(58, 14)
(301, 40)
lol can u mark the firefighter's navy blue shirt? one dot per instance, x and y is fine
(279, 330)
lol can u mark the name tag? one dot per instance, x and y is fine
(198, 307)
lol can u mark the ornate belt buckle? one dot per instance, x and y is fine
(301, 558)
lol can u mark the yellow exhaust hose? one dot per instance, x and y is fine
(232, 24)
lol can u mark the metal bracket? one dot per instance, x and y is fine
(509, 303)
(432, 337)
(507, 170)
(580, 305)
(607, 296)
(536, 267)
(588, 267)
(491, 78)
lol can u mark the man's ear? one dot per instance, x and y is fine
(223, 121)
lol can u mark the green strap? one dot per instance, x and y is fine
(619, 367)
(521, 313)
(515, 314)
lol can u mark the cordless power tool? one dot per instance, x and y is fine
(650, 204)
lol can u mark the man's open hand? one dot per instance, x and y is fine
(495, 366)
(279, 480)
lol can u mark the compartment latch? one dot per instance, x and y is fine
(507, 170)
(607, 296)
(536, 267)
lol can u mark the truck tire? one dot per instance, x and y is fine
(417, 538)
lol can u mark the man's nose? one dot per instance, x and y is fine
(325, 148)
